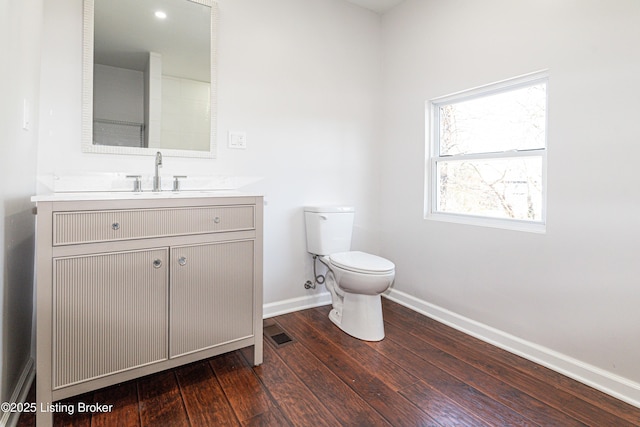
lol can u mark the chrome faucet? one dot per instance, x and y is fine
(157, 184)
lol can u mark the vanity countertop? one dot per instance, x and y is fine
(129, 195)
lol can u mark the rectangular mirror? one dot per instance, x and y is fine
(149, 77)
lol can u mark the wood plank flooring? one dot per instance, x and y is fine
(422, 374)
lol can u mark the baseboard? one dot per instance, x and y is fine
(295, 304)
(600, 379)
(19, 395)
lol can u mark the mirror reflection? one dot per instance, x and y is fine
(151, 72)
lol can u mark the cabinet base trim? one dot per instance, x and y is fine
(148, 369)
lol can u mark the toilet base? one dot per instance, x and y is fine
(360, 316)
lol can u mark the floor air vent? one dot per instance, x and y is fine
(274, 333)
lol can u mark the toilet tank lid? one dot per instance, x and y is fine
(329, 209)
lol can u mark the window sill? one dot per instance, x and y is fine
(505, 224)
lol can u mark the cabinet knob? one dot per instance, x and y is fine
(216, 220)
(157, 263)
(115, 226)
(182, 260)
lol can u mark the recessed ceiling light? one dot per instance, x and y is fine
(160, 14)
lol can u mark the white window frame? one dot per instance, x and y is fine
(431, 178)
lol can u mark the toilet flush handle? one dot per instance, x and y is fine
(323, 217)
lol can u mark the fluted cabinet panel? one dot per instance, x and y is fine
(212, 291)
(110, 314)
(124, 224)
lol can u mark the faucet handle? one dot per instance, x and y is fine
(137, 184)
(176, 181)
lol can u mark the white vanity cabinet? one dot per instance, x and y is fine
(129, 286)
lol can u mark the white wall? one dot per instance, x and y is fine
(575, 289)
(20, 47)
(301, 77)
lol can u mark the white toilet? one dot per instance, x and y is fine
(358, 278)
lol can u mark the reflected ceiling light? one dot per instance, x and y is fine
(160, 14)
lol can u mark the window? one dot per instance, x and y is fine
(488, 155)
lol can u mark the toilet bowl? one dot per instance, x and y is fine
(355, 279)
(361, 278)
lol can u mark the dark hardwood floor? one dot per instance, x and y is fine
(422, 374)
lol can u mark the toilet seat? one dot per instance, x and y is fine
(362, 262)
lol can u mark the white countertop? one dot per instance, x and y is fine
(130, 195)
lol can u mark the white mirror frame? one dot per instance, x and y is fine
(87, 92)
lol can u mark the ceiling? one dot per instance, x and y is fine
(379, 6)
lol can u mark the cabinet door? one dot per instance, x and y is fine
(110, 313)
(211, 294)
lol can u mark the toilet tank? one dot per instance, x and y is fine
(329, 228)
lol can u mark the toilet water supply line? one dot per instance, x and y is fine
(319, 279)
(337, 295)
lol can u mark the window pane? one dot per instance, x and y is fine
(512, 120)
(498, 188)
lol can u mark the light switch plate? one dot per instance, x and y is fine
(238, 139)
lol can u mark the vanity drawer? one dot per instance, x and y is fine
(71, 228)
